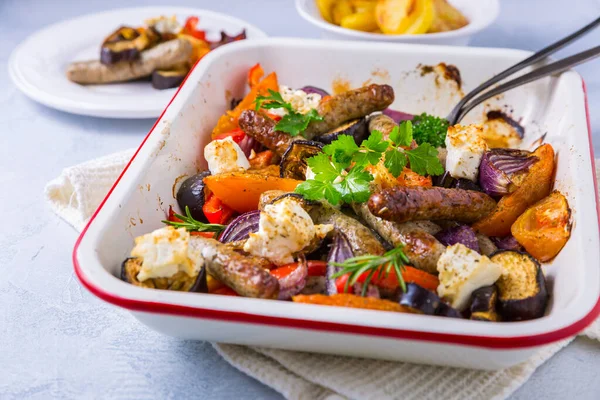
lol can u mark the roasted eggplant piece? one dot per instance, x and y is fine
(180, 281)
(483, 304)
(522, 292)
(293, 162)
(357, 128)
(126, 44)
(423, 301)
(192, 193)
(447, 181)
(167, 79)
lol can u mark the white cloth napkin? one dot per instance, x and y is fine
(76, 193)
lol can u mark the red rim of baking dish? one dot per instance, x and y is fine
(240, 317)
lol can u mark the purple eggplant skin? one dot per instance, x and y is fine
(192, 193)
(180, 282)
(109, 56)
(463, 234)
(293, 162)
(506, 243)
(357, 128)
(511, 306)
(448, 182)
(446, 310)
(316, 90)
(483, 304)
(341, 250)
(168, 79)
(420, 300)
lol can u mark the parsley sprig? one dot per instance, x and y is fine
(293, 122)
(189, 223)
(340, 172)
(357, 266)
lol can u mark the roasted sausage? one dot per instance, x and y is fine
(262, 128)
(401, 204)
(350, 105)
(422, 249)
(240, 272)
(163, 56)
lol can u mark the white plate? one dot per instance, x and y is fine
(138, 202)
(37, 66)
(480, 13)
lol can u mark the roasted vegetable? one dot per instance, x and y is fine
(483, 304)
(126, 44)
(522, 293)
(181, 281)
(241, 191)
(314, 89)
(544, 228)
(356, 128)
(352, 301)
(447, 181)
(241, 227)
(506, 243)
(167, 79)
(404, 16)
(291, 278)
(535, 185)
(226, 39)
(499, 166)
(446, 17)
(340, 252)
(459, 234)
(192, 194)
(293, 162)
(397, 116)
(162, 56)
(422, 301)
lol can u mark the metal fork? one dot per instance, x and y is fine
(472, 99)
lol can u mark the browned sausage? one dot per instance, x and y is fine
(350, 105)
(262, 128)
(241, 273)
(401, 204)
(422, 249)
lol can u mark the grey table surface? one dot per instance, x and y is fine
(59, 341)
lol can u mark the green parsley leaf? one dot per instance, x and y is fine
(423, 160)
(313, 189)
(395, 161)
(274, 100)
(402, 135)
(322, 167)
(355, 186)
(371, 149)
(292, 123)
(342, 150)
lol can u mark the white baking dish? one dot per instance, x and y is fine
(138, 201)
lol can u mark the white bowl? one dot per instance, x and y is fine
(480, 13)
(138, 201)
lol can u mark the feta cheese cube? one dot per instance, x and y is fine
(462, 271)
(285, 228)
(301, 101)
(225, 155)
(165, 252)
(465, 147)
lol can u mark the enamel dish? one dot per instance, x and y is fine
(553, 110)
(38, 69)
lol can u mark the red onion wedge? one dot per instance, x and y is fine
(506, 243)
(293, 283)
(241, 227)
(498, 166)
(463, 234)
(340, 252)
(314, 89)
(397, 116)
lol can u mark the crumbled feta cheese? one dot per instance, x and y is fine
(165, 252)
(462, 271)
(225, 155)
(301, 101)
(309, 174)
(164, 24)
(465, 147)
(285, 228)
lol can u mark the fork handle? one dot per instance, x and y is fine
(538, 56)
(550, 69)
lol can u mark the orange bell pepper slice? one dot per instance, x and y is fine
(262, 159)
(544, 228)
(410, 178)
(229, 121)
(255, 75)
(535, 186)
(241, 190)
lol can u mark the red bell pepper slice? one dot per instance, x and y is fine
(190, 28)
(237, 135)
(225, 291)
(215, 211)
(315, 268)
